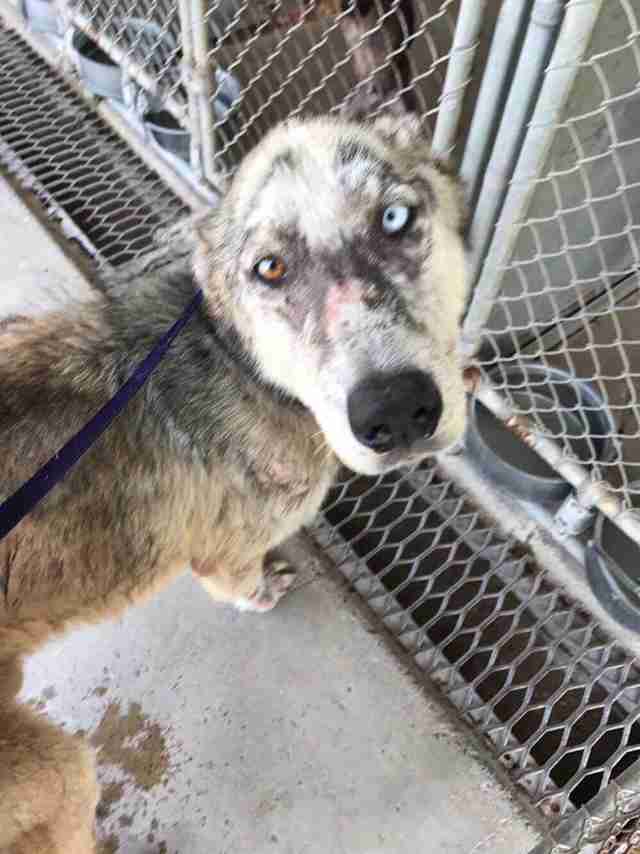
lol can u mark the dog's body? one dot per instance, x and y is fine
(233, 443)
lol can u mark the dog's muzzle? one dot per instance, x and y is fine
(391, 412)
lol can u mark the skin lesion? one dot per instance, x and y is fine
(341, 294)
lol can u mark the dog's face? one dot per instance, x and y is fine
(337, 255)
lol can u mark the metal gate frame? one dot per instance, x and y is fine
(578, 24)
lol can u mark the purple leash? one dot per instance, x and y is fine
(24, 499)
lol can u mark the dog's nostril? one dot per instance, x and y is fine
(379, 438)
(421, 416)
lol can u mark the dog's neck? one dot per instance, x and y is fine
(230, 343)
(208, 385)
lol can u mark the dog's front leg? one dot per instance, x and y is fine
(275, 579)
(256, 587)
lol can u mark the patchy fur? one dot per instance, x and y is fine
(233, 442)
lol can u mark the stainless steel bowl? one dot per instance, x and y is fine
(564, 404)
(613, 568)
(168, 133)
(171, 136)
(99, 73)
(43, 16)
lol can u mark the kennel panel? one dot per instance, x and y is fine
(559, 282)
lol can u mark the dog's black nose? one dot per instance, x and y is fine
(390, 411)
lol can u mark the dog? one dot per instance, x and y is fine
(379, 33)
(334, 276)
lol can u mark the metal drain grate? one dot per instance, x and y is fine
(84, 173)
(557, 699)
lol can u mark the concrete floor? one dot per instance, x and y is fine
(294, 733)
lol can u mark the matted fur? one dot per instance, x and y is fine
(234, 441)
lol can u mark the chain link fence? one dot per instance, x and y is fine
(148, 38)
(559, 281)
(210, 77)
(538, 100)
(201, 81)
(291, 58)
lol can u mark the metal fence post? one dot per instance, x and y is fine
(188, 79)
(545, 16)
(202, 86)
(463, 50)
(577, 27)
(486, 112)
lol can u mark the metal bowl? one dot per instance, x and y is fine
(171, 136)
(168, 133)
(99, 73)
(613, 568)
(228, 92)
(564, 404)
(43, 16)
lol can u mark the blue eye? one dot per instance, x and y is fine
(396, 219)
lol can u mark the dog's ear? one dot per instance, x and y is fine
(407, 131)
(209, 258)
(201, 225)
(401, 131)
(366, 103)
(391, 120)
(204, 237)
(184, 231)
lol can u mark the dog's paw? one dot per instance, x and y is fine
(278, 576)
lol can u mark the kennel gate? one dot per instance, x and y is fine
(539, 100)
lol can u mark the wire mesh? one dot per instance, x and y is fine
(313, 57)
(268, 61)
(569, 294)
(85, 174)
(527, 667)
(147, 33)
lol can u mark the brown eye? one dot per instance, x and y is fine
(271, 269)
